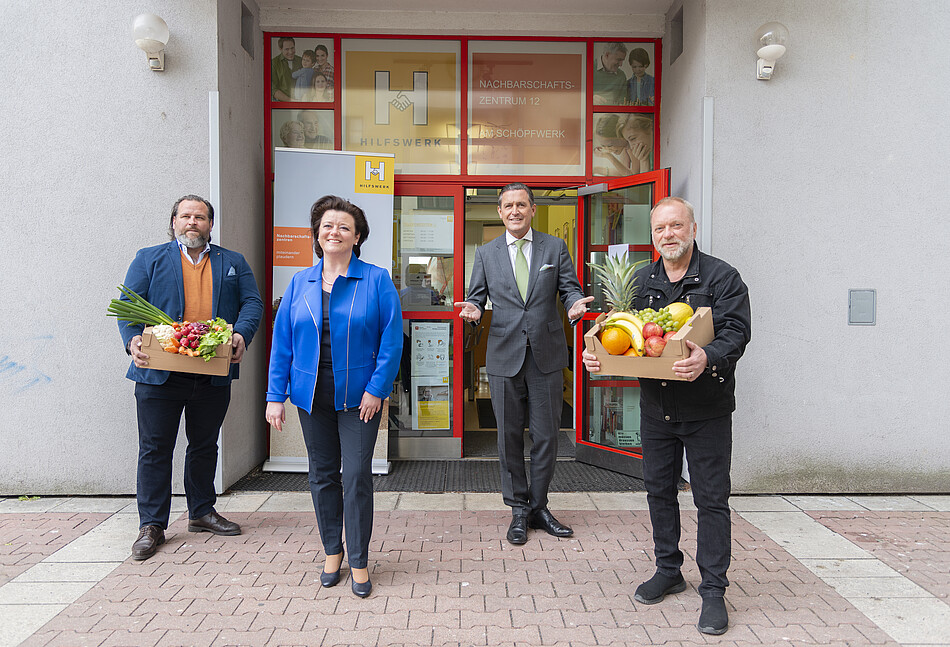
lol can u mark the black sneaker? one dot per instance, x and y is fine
(656, 588)
(713, 619)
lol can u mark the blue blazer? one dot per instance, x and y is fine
(365, 336)
(155, 274)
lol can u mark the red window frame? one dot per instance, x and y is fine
(447, 184)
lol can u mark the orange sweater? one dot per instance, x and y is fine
(197, 281)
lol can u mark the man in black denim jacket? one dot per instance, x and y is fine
(695, 414)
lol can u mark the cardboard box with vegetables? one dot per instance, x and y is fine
(202, 347)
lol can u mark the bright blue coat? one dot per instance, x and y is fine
(365, 336)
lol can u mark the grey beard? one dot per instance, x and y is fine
(192, 243)
(678, 254)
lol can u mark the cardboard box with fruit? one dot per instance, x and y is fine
(644, 343)
(613, 326)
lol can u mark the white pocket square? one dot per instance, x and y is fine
(231, 271)
(546, 266)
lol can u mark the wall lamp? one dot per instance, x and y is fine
(151, 35)
(770, 41)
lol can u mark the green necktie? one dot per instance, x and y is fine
(521, 270)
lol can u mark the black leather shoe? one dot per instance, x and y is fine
(361, 589)
(331, 579)
(518, 530)
(150, 538)
(544, 520)
(713, 619)
(657, 587)
(215, 523)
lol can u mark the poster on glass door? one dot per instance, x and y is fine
(429, 361)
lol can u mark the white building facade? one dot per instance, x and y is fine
(825, 179)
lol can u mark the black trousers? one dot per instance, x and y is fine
(159, 408)
(334, 439)
(541, 395)
(708, 445)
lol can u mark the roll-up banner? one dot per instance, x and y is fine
(301, 177)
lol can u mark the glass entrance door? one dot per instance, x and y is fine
(617, 213)
(556, 215)
(425, 400)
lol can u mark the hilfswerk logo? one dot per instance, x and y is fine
(371, 175)
(375, 173)
(418, 98)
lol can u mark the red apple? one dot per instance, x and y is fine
(653, 346)
(651, 329)
(669, 334)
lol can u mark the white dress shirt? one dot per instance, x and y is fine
(184, 250)
(513, 249)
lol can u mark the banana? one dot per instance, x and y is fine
(636, 337)
(630, 317)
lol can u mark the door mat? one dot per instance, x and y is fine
(452, 476)
(484, 444)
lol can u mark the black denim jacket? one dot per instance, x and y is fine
(708, 282)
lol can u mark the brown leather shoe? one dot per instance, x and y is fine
(150, 538)
(213, 522)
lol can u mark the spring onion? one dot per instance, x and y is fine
(136, 310)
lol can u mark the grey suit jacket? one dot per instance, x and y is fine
(516, 323)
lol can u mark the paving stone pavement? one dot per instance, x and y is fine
(806, 571)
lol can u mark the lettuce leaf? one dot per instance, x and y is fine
(209, 342)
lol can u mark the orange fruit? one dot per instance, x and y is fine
(631, 352)
(615, 341)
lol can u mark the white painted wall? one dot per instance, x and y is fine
(681, 108)
(535, 18)
(828, 177)
(96, 150)
(241, 119)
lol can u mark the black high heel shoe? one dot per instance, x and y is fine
(331, 579)
(361, 589)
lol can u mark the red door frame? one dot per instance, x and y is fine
(660, 179)
(455, 185)
(457, 193)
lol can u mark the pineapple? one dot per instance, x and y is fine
(616, 277)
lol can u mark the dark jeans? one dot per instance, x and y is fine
(334, 438)
(708, 445)
(159, 408)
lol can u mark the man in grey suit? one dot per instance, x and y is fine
(522, 273)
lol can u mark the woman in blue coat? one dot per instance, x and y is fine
(335, 352)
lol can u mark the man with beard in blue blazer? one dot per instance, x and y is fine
(191, 280)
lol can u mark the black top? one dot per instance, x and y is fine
(710, 282)
(326, 358)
